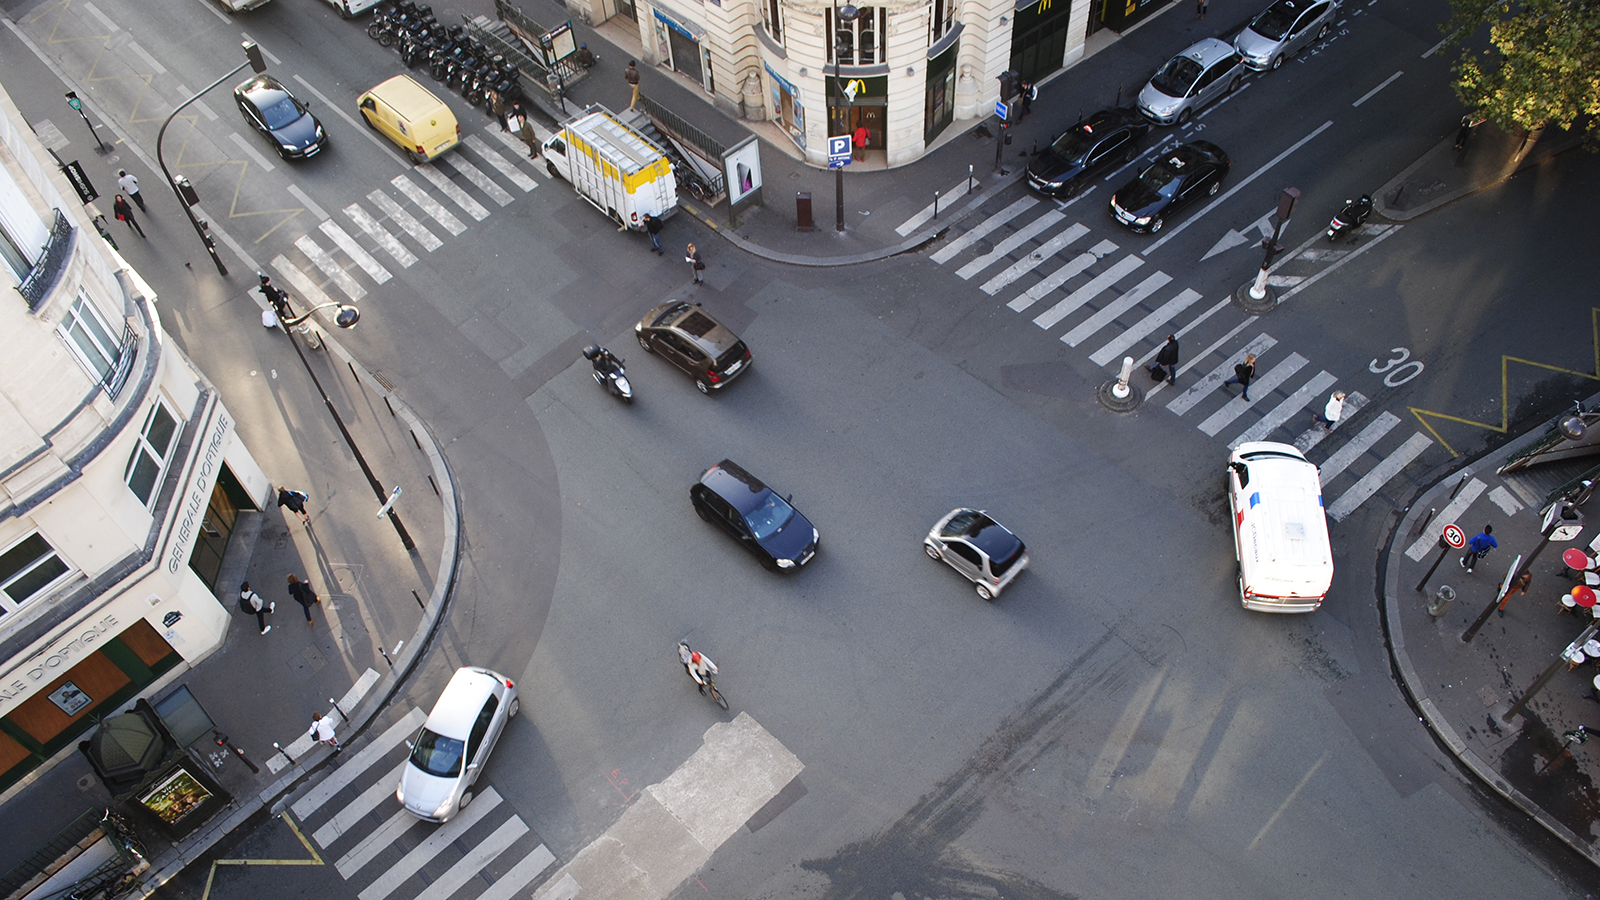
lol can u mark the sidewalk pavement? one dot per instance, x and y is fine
(379, 603)
(1444, 173)
(1462, 689)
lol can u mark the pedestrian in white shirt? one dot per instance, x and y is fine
(1330, 413)
(322, 730)
(130, 186)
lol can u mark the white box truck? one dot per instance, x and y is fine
(613, 167)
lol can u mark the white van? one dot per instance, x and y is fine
(1280, 531)
(613, 167)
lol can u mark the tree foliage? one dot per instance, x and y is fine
(1542, 67)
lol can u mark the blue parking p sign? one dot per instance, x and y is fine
(838, 150)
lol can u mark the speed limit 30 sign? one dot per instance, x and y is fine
(1454, 536)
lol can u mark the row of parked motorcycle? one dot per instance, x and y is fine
(451, 56)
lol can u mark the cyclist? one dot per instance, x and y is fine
(697, 664)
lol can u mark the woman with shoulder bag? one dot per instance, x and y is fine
(1242, 373)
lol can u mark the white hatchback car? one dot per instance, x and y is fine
(449, 752)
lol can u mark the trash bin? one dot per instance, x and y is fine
(802, 212)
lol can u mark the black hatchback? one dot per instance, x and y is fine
(269, 108)
(1109, 137)
(1172, 182)
(765, 523)
(694, 341)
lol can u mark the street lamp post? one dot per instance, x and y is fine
(347, 317)
(842, 15)
(254, 61)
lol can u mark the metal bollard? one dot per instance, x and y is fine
(1120, 390)
(1442, 598)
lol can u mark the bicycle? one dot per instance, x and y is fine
(710, 685)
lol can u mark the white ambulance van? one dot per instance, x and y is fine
(1280, 530)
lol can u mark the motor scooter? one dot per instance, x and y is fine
(613, 377)
(1355, 212)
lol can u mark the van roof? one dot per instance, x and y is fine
(410, 99)
(619, 144)
(1284, 497)
(457, 708)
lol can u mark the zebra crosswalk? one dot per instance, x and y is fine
(1030, 256)
(388, 854)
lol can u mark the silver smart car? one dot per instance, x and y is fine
(1283, 29)
(979, 548)
(1191, 81)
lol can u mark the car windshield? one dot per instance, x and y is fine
(769, 518)
(1176, 76)
(1161, 178)
(966, 523)
(437, 754)
(1276, 21)
(666, 315)
(279, 110)
(1072, 145)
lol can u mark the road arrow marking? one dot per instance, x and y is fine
(1236, 238)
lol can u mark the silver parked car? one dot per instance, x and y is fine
(1283, 29)
(448, 754)
(1190, 81)
(979, 548)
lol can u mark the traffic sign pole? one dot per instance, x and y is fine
(1451, 536)
(1472, 630)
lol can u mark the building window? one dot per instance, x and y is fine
(87, 333)
(944, 18)
(150, 455)
(11, 253)
(26, 570)
(772, 17)
(858, 43)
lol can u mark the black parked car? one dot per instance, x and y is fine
(1170, 183)
(1109, 137)
(694, 341)
(269, 107)
(736, 501)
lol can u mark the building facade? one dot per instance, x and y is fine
(906, 71)
(120, 473)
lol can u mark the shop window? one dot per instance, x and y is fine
(153, 451)
(944, 18)
(27, 570)
(772, 17)
(858, 43)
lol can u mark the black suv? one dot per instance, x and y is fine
(689, 338)
(1109, 137)
(736, 501)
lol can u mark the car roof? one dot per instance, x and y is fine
(731, 482)
(1107, 119)
(457, 708)
(1185, 155)
(1208, 51)
(261, 83)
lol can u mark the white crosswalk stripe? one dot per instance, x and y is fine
(1211, 380)
(479, 180)
(355, 251)
(398, 823)
(424, 852)
(1003, 249)
(1109, 313)
(432, 207)
(479, 856)
(926, 213)
(1264, 384)
(1291, 406)
(506, 886)
(1361, 443)
(457, 195)
(330, 267)
(308, 290)
(1049, 283)
(982, 229)
(353, 767)
(1028, 263)
(1053, 316)
(502, 165)
(407, 222)
(387, 241)
(1380, 474)
(1315, 434)
(353, 812)
(1145, 327)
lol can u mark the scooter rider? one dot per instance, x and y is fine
(605, 362)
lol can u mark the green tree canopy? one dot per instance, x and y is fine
(1542, 67)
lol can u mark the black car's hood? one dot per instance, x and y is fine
(298, 134)
(1050, 167)
(1138, 199)
(790, 541)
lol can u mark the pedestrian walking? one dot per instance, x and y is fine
(696, 264)
(652, 226)
(1464, 132)
(250, 602)
(1520, 586)
(1242, 373)
(322, 730)
(1330, 413)
(497, 107)
(303, 594)
(631, 75)
(858, 140)
(124, 212)
(525, 131)
(130, 186)
(295, 501)
(1199, 9)
(1030, 93)
(1166, 364)
(1479, 547)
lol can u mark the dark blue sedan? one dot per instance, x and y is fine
(1170, 183)
(766, 524)
(269, 108)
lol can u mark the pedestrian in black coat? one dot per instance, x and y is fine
(1166, 364)
(295, 501)
(124, 211)
(653, 225)
(696, 264)
(1242, 373)
(303, 594)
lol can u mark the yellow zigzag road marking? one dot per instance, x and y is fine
(315, 860)
(1505, 389)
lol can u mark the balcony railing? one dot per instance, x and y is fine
(47, 268)
(117, 376)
